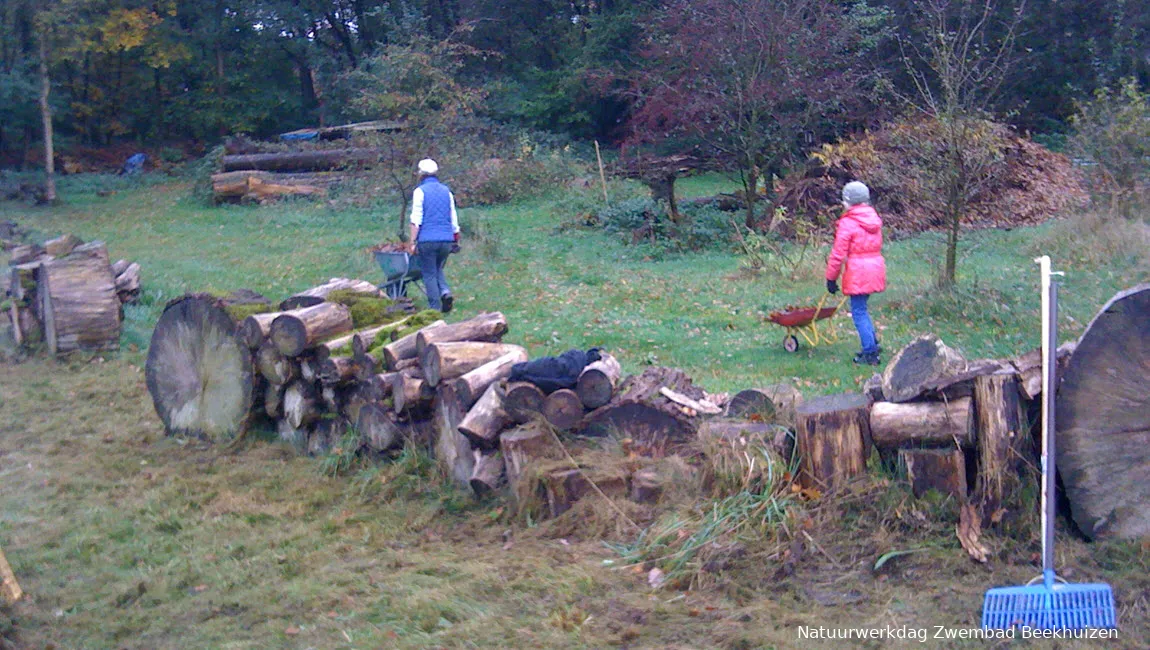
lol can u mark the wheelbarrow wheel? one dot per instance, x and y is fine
(395, 290)
(791, 343)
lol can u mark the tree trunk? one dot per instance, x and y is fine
(198, 374)
(452, 450)
(300, 404)
(79, 306)
(563, 409)
(302, 161)
(295, 331)
(471, 385)
(317, 295)
(486, 327)
(523, 446)
(403, 348)
(448, 360)
(596, 385)
(275, 367)
(943, 470)
(1103, 420)
(487, 474)
(832, 435)
(1001, 438)
(486, 420)
(923, 423)
(46, 121)
(254, 329)
(377, 429)
(523, 401)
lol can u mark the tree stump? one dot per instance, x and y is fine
(522, 401)
(563, 409)
(596, 384)
(833, 433)
(486, 327)
(1001, 439)
(525, 445)
(450, 359)
(486, 420)
(774, 403)
(452, 449)
(923, 423)
(198, 374)
(943, 470)
(1103, 420)
(293, 332)
(79, 307)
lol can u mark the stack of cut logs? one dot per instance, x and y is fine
(67, 294)
(255, 173)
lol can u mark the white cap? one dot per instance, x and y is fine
(428, 166)
(855, 192)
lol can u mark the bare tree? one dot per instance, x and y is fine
(958, 71)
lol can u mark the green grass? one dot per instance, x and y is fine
(127, 539)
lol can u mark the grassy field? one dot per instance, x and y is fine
(127, 539)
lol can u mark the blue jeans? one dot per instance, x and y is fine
(863, 323)
(432, 258)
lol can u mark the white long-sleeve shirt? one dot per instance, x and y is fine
(417, 210)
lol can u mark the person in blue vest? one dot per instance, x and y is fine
(434, 232)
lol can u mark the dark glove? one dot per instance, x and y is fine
(455, 248)
(832, 287)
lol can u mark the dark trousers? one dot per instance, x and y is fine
(432, 258)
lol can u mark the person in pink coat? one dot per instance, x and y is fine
(857, 254)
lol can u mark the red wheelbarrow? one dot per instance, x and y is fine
(803, 321)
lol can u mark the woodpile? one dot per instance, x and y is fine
(67, 295)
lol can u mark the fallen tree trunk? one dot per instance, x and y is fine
(487, 327)
(448, 360)
(943, 470)
(317, 295)
(923, 423)
(1103, 420)
(79, 307)
(470, 386)
(198, 374)
(295, 331)
(596, 385)
(486, 420)
(832, 435)
(563, 409)
(302, 161)
(523, 401)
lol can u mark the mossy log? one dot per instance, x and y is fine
(450, 359)
(198, 374)
(596, 384)
(943, 470)
(523, 400)
(487, 472)
(317, 295)
(923, 423)
(79, 307)
(470, 386)
(563, 409)
(487, 327)
(832, 436)
(293, 332)
(404, 347)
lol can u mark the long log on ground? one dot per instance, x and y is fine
(596, 385)
(486, 327)
(404, 347)
(254, 329)
(323, 180)
(295, 331)
(563, 409)
(259, 190)
(300, 404)
(79, 307)
(378, 430)
(409, 393)
(523, 400)
(772, 403)
(943, 470)
(523, 446)
(316, 295)
(923, 423)
(198, 374)
(302, 161)
(1103, 420)
(487, 474)
(470, 386)
(919, 368)
(452, 449)
(486, 420)
(832, 436)
(733, 430)
(1001, 438)
(450, 359)
(275, 367)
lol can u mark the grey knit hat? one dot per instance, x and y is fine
(855, 192)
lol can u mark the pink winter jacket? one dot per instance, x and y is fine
(858, 243)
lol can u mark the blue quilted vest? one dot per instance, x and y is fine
(436, 211)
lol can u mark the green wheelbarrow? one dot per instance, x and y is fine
(399, 269)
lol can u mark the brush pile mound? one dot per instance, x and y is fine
(1025, 183)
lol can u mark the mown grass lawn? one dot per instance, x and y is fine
(127, 539)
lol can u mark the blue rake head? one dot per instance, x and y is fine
(1050, 606)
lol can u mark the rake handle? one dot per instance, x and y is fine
(1049, 345)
